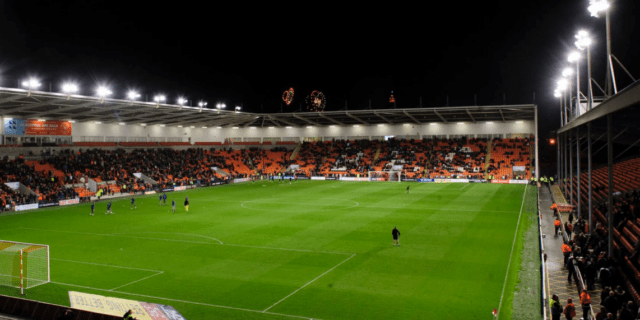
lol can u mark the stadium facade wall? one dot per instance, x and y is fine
(89, 131)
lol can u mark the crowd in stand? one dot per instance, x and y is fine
(67, 173)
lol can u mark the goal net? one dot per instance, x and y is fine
(24, 263)
(385, 176)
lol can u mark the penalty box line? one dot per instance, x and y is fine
(308, 283)
(156, 272)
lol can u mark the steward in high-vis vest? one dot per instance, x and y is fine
(566, 251)
(551, 180)
(557, 225)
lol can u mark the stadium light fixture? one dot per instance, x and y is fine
(159, 99)
(192, 127)
(132, 95)
(180, 126)
(309, 127)
(562, 84)
(432, 124)
(103, 92)
(288, 127)
(218, 127)
(567, 72)
(519, 121)
(163, 125)
(583, 41)
(381, 125)
(42, 120)
(31, 84)
(332, 126)
(252, 127)
(489, 122)
(460, 122)
(238, 108)
(557, 93)
(221, 106)
(122, 123)
(72, 121)
(98, 122)
(573, 56)
(70, 88)
(598, 6)
(181, 102)
(202, 104)
(235, 127)
(356, 125)
(143, 124)
(270, 127)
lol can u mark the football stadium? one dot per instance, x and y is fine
(129, 204)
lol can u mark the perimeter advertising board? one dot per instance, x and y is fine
(118, 307)
(36, 127)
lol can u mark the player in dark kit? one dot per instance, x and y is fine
(109, 208)
(186, 204)
(408, 189)
(159, 200)
(93, 208)
(164, 198)
(173, 206)
(396, 235)
(133, 203)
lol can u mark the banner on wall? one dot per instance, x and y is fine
(117, 307)
(36, 127)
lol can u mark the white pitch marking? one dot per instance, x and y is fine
(132, 282)
(310, 282)
(187, 241)
(378, 207)
(184, 301)
(186, 234)
(512, 246)
(106, 265)
(466, 185)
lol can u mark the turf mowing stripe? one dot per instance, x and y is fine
(189, 302)
(187, 241)
(511, 254)
(310, 282)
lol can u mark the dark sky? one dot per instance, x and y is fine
(239, 52)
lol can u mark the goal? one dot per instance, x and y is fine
(385, 176)
(23, 265)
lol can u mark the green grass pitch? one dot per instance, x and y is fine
(313, 249)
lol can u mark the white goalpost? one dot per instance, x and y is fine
(24, 265)
(385, 176)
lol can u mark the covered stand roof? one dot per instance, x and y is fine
(19, 103)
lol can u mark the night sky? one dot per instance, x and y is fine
(243, 53)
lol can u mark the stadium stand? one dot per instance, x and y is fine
(67, 174)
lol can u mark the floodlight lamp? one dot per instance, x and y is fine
(573, 56)
(221, 106)
(132, 95)
(582, 40)
(557, 94)
(103, 92)
(31, 83)
(238, 108)
(597, 6)
(202, 104)
(159, 98)
(567, 72)
(69, 88)
(182, 101)
(562, 84)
